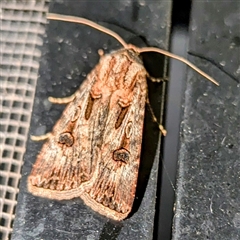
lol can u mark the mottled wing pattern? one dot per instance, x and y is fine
(112, 188)
(94, 151)
(66, 159)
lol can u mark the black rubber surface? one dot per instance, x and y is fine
(207, 204)
(69, 53)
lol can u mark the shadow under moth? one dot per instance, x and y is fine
(93, 151)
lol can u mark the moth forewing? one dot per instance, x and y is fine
(55, 173)
(111, 191)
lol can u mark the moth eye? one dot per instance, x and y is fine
(66, 138)
(128, 130)
(121, 117)
(76, 114)
(121, 155)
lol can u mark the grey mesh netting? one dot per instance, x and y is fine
(22, 28)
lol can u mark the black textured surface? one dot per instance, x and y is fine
(69, 53)
(208, 196)
(177, 75)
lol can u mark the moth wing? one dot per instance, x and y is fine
(94, 150)
(66, 159)
(111, 190)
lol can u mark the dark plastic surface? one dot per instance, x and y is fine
(69, 53)
(208, 196)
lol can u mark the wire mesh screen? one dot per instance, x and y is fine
(22, 27)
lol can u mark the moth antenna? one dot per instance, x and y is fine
(171, 55)
(213, 63)
(67, 18)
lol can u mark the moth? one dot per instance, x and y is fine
(93, 151)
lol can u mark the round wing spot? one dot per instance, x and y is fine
(121, 155)
(76, 114)
(128, 130)
(66, 138)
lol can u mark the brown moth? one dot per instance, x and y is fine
(93, 151)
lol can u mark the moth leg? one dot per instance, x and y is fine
(161, 128)
(62, 100)
(100, 52)
(158, 80)
(41, 137)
